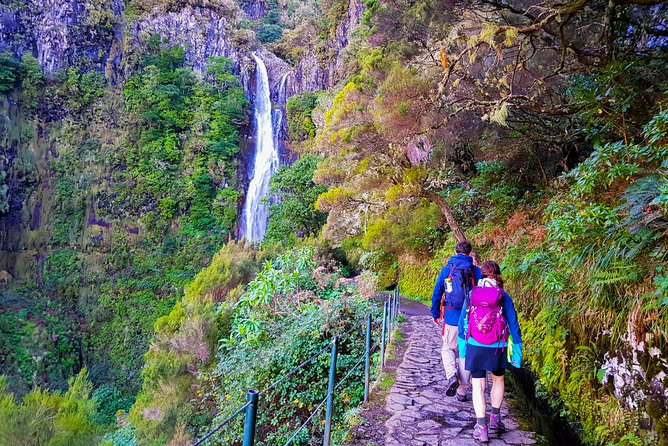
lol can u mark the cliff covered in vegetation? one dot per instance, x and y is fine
(538, 130)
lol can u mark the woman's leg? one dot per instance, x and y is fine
(478, 388)
(496, 394)
(478, 396)
(496, 397)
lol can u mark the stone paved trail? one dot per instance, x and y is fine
(420, 413)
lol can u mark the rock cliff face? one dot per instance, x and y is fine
(255, 9)
(61, 33)
(312, 72)
(201, 32)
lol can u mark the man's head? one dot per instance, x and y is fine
(463, 247)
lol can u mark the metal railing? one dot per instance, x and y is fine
(391, 309)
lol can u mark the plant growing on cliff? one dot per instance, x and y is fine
(293, 214)
(52, 418)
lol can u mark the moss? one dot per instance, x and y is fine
(657, 409)
(417, 281)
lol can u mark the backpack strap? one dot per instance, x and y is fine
(453, 268)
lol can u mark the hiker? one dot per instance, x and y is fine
(454, 282)
(489, 340)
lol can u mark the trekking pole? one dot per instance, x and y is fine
(330, 393)
(367, 358)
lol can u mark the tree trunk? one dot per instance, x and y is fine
(609, 31)
(450, 218)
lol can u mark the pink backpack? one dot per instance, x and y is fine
(486, 322)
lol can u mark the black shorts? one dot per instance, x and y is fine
(481, 373)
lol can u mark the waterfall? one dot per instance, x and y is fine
(268, 125)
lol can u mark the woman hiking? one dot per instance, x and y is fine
(489, 339)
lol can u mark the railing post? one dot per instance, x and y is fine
(382, 343)
(394, 305)
(367, 358)
(389, 316)
(330, 392)
(251, 418)
(397, 303)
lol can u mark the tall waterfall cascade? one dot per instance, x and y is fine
(268, 128)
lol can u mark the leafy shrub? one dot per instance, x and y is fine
(269, 32)
(294, 214)
(49, 418)
(8, 72)
(82, 88)
(108, 401)
(299, 109)
(284, 318)
(187, 338)
(594, 287)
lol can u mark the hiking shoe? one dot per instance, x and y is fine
(495, 423)
(462, 398)
(480, 433)
(453, 383)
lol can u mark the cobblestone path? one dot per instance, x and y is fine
(420, 412)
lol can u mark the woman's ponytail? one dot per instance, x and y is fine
(493, 271)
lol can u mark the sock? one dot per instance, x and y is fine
(496, 410)
(481, 421)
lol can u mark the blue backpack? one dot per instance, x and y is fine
(462, 283)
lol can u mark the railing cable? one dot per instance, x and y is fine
(315, 411)
(350, 371)
(295, 369)
(217, 428)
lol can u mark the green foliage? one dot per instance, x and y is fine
(8, 72)
(45, 418)
(32, 81)
(120, 437)
(269, 293)
(498, 186)
(186, 338)
(26, 73)
(168, 99)
(596, 277)
(268, 32)
(401, 229)
(299, 109)
(417, 280)
(613, 100)
(294, 214)
(284, 318)
(108, 401)
(82, 88)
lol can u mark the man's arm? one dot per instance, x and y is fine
(439, 289)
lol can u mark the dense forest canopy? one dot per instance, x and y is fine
(129, 314)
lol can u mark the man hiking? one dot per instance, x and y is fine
(454, 282)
